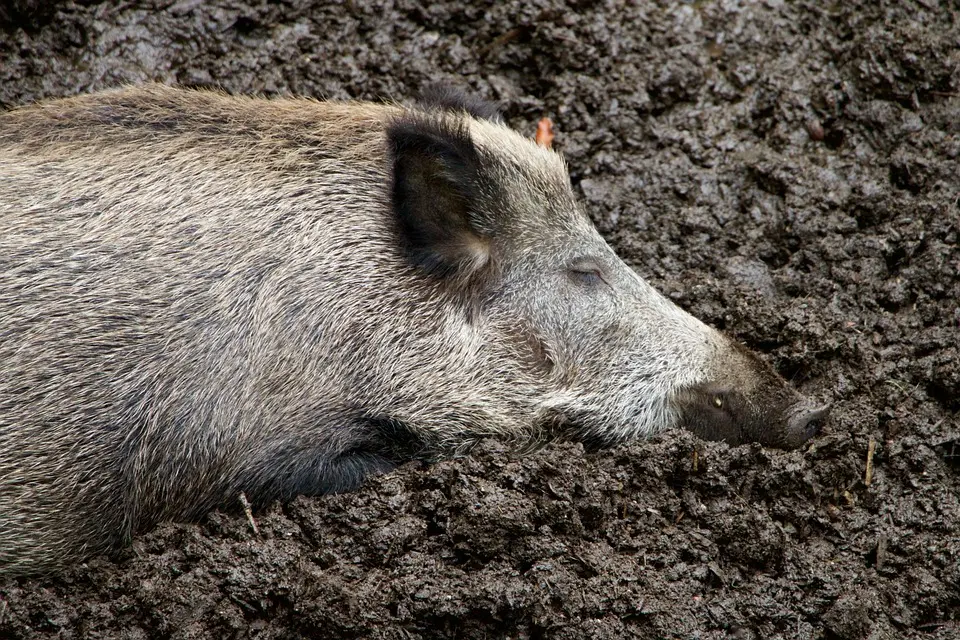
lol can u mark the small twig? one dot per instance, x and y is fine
(500, 41)
(881, 550)
(940, 624)
(249, 513)
(871, 448)
(696, 460)
(3, 610)
(243, 603)
(896, 385)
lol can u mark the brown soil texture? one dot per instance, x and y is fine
(787, 171)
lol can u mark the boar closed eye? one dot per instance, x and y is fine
(586, 272)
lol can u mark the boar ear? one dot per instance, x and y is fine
(435, 191)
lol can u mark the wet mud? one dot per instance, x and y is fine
(787, 172)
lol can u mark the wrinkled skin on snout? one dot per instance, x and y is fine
(203, 295)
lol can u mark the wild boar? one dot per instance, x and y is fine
(202, 295)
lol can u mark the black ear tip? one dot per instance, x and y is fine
(425, 136)
(443, 97)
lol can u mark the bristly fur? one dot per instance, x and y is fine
(446, 98)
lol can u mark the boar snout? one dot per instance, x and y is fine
(720, 413)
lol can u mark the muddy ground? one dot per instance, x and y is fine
(787, 171)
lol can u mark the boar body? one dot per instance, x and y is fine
(202, 295)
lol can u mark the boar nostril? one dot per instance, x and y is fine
(807, 420)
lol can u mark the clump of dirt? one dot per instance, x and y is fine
(786, 171)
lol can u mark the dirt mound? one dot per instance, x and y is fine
(786, 171)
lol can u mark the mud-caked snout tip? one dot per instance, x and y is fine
(716, 412)
(804, 422)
